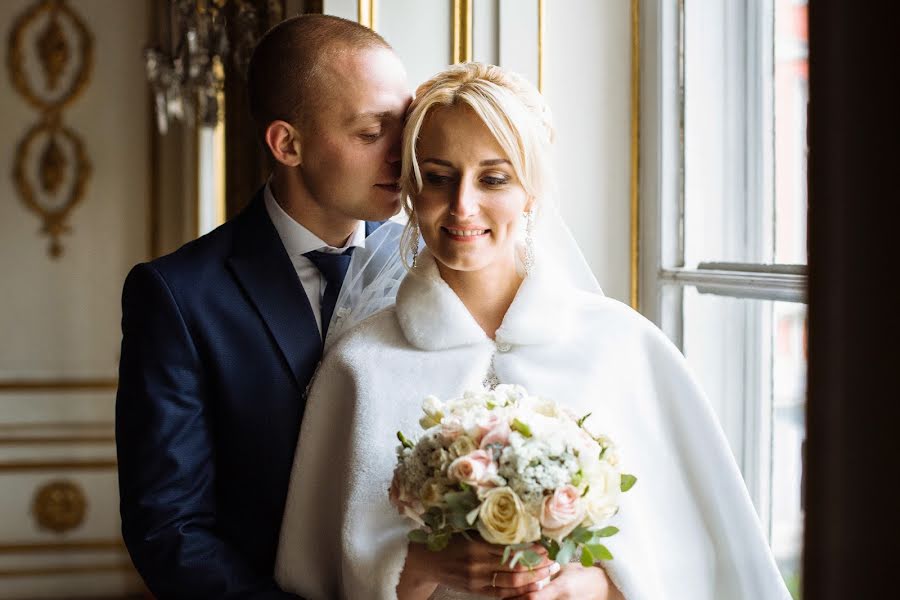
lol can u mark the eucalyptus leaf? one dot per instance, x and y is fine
(628, 482)
(531, 559)
(606, 531)
(515, 559)
(506, 552)
(472, 516)
(438, 541)
(599, 551)
(587, 558)
(566, 552)
(417, 536)
(581, 535)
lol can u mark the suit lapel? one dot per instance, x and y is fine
(263, 269)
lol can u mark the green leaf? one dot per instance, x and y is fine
(581, 535)
(438, 541)
(583, 419)
(521, 427)
(566, 552)
(506, 552)
(587, 559)
(473, 515)
(599, 552)
(531, 559)
(606, 531)
(628, 482)
(417, 536)
(585, 492)
(552, 547)
(404, 440)
(602, 452)
(577, 477)
(515, 559)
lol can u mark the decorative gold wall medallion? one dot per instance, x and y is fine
(59, 506)
(51, 178)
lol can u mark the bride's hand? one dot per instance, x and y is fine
(576, 582)
(472, 566)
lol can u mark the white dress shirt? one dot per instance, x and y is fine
(299, 240)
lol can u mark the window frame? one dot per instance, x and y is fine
(663, 276)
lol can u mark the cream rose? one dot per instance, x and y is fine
(602, 499)
(562, 512)
(473, 468)
(502, 519)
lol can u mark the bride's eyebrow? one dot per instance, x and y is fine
(485, 163)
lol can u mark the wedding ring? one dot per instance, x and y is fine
(494, 580)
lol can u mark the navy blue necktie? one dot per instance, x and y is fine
(333, 268)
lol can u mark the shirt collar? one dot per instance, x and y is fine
(297, 239)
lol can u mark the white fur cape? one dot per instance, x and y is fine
(688, 528)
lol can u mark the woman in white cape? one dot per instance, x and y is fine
(500, 294)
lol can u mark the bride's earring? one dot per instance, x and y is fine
(529, 241)
(414, 241)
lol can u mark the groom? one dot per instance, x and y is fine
(221, 337)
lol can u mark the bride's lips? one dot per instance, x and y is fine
(465, 234)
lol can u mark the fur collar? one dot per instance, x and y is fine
(433, 317)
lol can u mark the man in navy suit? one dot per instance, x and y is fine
(221, 338)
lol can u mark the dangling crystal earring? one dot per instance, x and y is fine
(529, 241)
(414, 240)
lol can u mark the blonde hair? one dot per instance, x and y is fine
(513, 111)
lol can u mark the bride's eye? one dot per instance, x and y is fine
(495, 180)
(437, 179)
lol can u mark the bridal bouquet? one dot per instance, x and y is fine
(517, 469)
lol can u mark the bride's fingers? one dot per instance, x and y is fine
(518, 592)
(511, 581)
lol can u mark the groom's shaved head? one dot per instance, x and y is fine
(285, 77)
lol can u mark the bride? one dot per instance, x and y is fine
(500, 294)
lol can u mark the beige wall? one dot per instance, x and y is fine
(59, 318)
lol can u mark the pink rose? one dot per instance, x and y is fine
(405, 503)
(473, 468)
(488, 422)
(562, 512)
(497, 435)
(451, 429)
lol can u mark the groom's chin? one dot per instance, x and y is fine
(382, 211)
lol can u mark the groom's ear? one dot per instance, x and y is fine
(283, 141)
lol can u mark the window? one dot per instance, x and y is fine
(723, 227)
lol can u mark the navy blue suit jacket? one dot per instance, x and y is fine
(219, 344)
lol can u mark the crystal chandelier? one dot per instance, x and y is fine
(188, 84)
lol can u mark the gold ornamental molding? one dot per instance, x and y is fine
(33, 466)
(123, 567)
(68, 546)
(366, 13)
(51, 168)
(59, 506)
(461, 49)
(58, 385)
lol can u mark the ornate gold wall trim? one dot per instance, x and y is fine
(53, 50)
(635, 151)
(27, 466)
(66, 570)
(40, 440)
(461, 46)
(365, 10)
(57, 385)
(74, 545)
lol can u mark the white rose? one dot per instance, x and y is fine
(602, 499)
